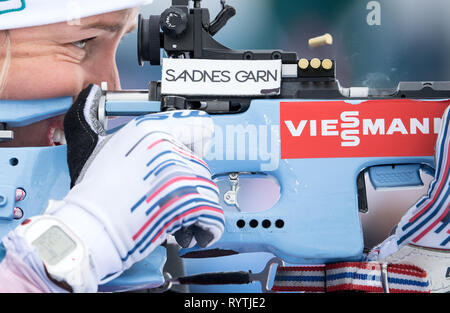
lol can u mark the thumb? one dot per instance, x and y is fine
(82, 130)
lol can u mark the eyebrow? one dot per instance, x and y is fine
(110, 28)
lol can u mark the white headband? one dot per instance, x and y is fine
(25, 13)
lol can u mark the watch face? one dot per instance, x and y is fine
(53, 245)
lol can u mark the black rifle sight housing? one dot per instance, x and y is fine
(188, 32)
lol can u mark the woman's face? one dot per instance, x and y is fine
(60, 60)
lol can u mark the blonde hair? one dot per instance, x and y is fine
(6, 60)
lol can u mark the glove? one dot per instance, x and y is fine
(422, 236)
(132, 189)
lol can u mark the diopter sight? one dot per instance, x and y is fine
(180, 30)
(187, 32)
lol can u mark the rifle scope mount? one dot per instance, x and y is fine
(188, 33)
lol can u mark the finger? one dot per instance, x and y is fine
(184, 236)
(209, 226)
(170, 149)
(193, 129)
(170, 167)
(84, 111)
(202, 236)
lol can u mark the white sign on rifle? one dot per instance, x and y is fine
(220, 77)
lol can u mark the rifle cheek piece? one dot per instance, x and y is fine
(30, 171)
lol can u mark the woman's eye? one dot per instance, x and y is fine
(82, 43)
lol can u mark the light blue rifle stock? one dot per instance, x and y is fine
(316, 219)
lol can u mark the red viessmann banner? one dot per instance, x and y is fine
(372, 128)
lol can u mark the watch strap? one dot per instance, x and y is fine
(2, 251)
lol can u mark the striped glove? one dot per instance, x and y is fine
(135, 187)
(422, 237)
